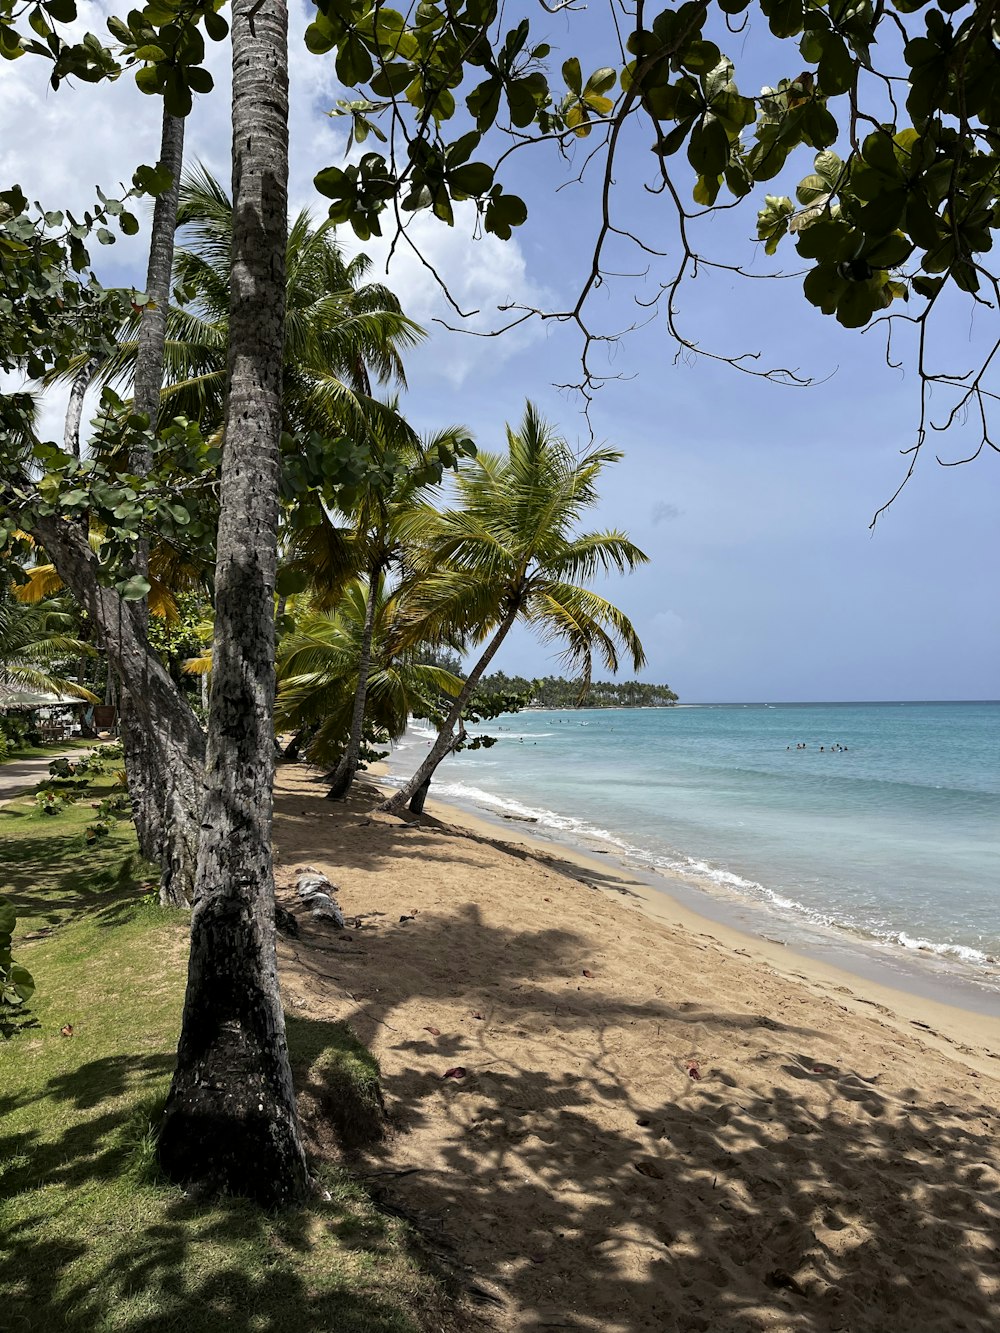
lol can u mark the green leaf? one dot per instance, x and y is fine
(573, 76)
(879, 151)
(889, 252)
(133, 589)
(216, 26)
(857, 305)
(824, 287)
(670, 143)
(766, 160)
(819, 126)
(152, 180)
(884, 213)
(472, 180)
(811, 188)
(199, 79)
(8, 917)
(829, 166)
(129, 223)
(700, 57)
(149, 80)
(837, 68)
(708, 149)
(22, 981)
(601, 81)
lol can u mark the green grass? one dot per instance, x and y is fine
(50, 750)
(92, 1239)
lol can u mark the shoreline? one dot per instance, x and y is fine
(613, 1114)
(903, 955)
(940, 1011)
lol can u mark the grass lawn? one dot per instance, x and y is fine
(91, 1240)
(51, 749)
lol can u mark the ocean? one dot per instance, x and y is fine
(880, 839)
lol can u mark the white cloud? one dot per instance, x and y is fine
(98, 134)
(482, 274)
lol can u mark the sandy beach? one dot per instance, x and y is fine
(610, 1114)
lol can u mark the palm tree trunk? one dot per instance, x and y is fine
(153, 329)
(145, 762)
(74, 407)
(446, 737)
(344, 773)
(230, 1122)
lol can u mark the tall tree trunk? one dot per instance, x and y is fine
(230, 1121)
(145, 761)
(444, 744)
(74, 407)
(344, 773)
(165, 747)
(148, 379)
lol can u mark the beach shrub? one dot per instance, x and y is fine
(4, 748)
(113, 806)
(13, 730)
(94, 832)
(52, 802)
(16, 983)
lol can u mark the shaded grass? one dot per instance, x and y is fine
(50, 872)
(50, 750)
(92, 1238)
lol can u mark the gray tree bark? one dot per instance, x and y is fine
(74, 407)
(414, 792)
(148, 379)
(343, 775)
(165, 746)
(230, 1121)
(145, 759)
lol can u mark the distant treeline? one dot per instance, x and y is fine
(557, 692)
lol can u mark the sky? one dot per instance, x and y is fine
(753, 500)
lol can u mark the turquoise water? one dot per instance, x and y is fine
(893, 839)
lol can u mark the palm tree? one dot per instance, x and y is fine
(323, 664)
(230, 1121)
(370, 543)
(510, 552)
(341, 332)
(33, 640)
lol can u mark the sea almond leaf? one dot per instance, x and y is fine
(435, 1032)
(456, 1071)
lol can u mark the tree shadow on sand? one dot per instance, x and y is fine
(775, 1188)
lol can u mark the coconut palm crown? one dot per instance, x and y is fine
(511, 550)
(341, 332)
(319, 666)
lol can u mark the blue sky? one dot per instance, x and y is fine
(752, 500)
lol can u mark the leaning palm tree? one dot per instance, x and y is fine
(321, 664)
(511, 552)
